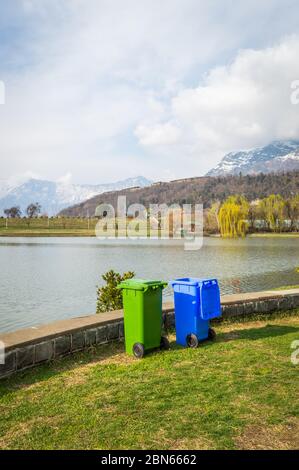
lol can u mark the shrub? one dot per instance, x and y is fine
(108, 296)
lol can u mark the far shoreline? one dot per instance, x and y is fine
(91, 234)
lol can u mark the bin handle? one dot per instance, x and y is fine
(210, 281)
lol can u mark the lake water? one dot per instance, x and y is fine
(46, 279)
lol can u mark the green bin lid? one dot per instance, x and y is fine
(141, 284)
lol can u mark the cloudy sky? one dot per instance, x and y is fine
(100, 90)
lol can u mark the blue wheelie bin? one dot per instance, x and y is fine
(196, 302)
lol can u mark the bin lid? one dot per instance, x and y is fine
(192, 281)
(141, 284)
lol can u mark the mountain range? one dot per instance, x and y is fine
(275, 157)
(199, 190)
(55, 196)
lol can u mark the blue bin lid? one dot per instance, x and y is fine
(192, 281)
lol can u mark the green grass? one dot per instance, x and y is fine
(77, 226)
(11, 232)
(53, 227)
(287, 287)
(275, 235)
(239, 392)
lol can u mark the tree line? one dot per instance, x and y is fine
(236, 216)
(33, 210)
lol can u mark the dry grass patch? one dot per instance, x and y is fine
(199, 442)
(21, 430)
(121, 359)
(263, 437)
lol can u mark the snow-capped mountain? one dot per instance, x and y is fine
(55, 196)
(275, 157)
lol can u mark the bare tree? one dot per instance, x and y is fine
(13, 212)
(33, 210)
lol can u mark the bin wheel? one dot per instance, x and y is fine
(164, 344)
(192, 341)
(138, 350)
(212, 334)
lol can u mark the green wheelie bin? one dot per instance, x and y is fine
(143, 316)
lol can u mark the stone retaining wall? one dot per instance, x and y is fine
(46, 349)
(34, 346)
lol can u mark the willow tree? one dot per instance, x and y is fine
(211, 221)
(272, 209)
(292, 211)
(233, 215)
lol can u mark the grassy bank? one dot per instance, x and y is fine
(239, 392)
(46, 233)
(84, 232)
(287, 287)
(275, 235)
(82, 227)
(44, 227)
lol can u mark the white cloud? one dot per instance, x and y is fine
(244, 104)
(160, 134)
(65, 179)
(104, 88)
(18, 179)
